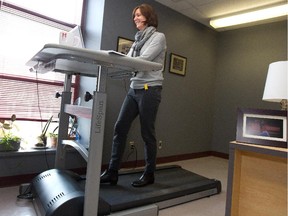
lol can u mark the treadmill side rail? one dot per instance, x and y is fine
(149, 210)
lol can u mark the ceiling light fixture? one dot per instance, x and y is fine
(248, 17)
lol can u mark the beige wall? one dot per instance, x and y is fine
(243, 58)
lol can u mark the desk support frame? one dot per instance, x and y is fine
(97, 127)
(92, 186)
(63, 123)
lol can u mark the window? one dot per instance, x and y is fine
(24, 31)
(66, 11)
(26, 26)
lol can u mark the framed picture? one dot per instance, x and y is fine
(124, 45)
(264, 127)
(178, 64)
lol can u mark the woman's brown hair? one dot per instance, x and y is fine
(149, 13)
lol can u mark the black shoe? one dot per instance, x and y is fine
(109, 176)
(145, 179)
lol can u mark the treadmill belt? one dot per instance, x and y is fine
(170, 182)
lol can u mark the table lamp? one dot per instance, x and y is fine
(276, 84)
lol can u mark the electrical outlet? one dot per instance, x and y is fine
(160, 144)
(132, 145)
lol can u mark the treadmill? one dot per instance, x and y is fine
(59, 192)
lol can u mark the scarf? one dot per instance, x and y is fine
(140, 38)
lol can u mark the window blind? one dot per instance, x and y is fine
(29, 95)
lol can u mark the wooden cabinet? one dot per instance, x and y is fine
(257, 180)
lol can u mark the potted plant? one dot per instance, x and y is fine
(42, 138)
(53, 139)
(9, 141)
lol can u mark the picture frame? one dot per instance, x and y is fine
(178, 64)
(263, 127)
(124, 45)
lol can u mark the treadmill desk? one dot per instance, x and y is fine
(79, 61)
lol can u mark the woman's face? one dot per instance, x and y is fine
(139, 20)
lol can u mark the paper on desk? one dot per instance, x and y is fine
(72, 38)
(115, 53)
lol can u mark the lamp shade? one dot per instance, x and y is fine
(276, 82)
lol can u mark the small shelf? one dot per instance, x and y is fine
(80, 148)
(79, 111)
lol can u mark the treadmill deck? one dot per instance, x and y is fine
(170, 182)
(173, 185)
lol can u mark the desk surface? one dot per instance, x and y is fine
(285, 150)
(70, 59)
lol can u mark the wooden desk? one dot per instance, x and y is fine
(257, 180)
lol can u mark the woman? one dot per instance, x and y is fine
(143, 97)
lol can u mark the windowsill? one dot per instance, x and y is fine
(32, 151)
(28, 152)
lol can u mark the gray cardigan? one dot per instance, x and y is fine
(153, 50)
